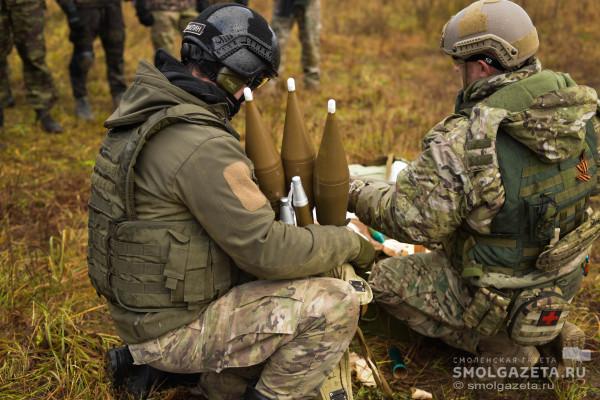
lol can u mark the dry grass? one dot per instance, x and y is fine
(381, 64)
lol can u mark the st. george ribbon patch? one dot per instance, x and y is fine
(195, 28)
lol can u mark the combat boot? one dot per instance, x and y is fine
(499, 351)
(253, 394)
(570, 340)
(10, 101)
(312, 81)
(83, 110)
(139, 380)
(49, 124)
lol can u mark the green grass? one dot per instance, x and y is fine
(380, 62)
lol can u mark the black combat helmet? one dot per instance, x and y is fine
(232, 41)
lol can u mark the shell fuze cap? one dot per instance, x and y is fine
(233, 36)
(497, 28)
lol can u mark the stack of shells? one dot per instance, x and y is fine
(316, 180)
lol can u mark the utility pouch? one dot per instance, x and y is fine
(338, 385)
(347, 273)
(487, 312)
(537, 316)
(571, 245)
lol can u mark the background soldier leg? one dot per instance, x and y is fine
(28, 30)
(27, 21)
(282, 24)
(165, 31)
(425, 292)
(112, 35)
(6, 44)
(83, 59)
(309, 31)
(298, 328)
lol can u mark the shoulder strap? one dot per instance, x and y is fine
(187, 113)
(521, 95)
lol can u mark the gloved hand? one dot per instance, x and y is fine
(143, 14)
(355, 187)
(365, 256)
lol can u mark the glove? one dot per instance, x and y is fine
(356, 186)
(365, 256)
(143, 14)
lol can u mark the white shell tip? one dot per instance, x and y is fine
(296, 179)
(291, 84)
(331, 106)
(248, 94)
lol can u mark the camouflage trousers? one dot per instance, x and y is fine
(22, 24)
(298, 329)
(309, 31)
(106, 22)
(167, 28)
(425, 292)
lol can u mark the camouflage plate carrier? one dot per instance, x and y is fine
(544, 203)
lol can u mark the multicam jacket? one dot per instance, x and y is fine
(438, 195)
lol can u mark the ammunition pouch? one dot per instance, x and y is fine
(571, 245)
(156, 266)
(537, 316)
(347, 273)
(487, 312)
(338, 385)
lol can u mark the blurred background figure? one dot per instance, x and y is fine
(307, 13)
(87, 20)
(22, 24)
(167, 19)
(202, 4)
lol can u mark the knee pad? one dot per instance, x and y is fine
(84, 59)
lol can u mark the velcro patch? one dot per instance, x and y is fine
(549, 318)
(338, 395)
(238, 178)
(195, 28)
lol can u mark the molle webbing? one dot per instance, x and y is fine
(539, 196)
(141, 265)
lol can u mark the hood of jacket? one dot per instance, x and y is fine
(551, 123)
(151, 92)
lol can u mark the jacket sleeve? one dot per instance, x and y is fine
(435, 194)
(216, 184)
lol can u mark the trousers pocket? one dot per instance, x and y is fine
(266, 307)
(487, 312)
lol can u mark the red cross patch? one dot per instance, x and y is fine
(549, 318)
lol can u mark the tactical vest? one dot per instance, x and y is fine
(541, 197)
(144, 265)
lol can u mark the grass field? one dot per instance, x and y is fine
(380, 62)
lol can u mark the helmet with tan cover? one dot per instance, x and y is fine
(498, 28)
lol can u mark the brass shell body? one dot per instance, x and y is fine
(297, 151)
(331, 177)
(260, 148)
